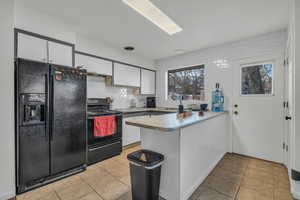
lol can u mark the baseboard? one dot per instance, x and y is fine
(131, 145)
(7, 195)
(295, 194)
(163, 194)
(197, 183)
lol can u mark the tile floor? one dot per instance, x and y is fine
(234, 178)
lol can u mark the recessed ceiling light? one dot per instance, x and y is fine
(129, 48)
(154, 14)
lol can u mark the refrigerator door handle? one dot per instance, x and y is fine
(47, 106)
(51, 121)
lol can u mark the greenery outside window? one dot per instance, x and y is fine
(257, 79)
(187, 82)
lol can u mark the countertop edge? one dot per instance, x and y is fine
(174, 128)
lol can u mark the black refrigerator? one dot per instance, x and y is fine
(51, 140)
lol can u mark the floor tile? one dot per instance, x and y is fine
(205, 193)
(126, 196)
(37, 194)
(223, 185)
(259, 186)
(91, 196)
(66, 182)
(112, 191)
(126, 180)
(250, 194)
(282, 195)
(75, 191)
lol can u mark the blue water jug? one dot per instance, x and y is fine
(217, 99)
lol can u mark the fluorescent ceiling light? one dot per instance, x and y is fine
(154, 14)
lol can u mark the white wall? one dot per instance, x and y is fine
(7, 156)
(41, 23)
(272, 43)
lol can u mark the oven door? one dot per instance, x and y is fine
(92, 140)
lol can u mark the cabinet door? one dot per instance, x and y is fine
(125, 75)
(60, 54)
(147, 82)
(94, 65)
(32, 48)
(131, 134)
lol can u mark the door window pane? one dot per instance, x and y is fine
(257, 79)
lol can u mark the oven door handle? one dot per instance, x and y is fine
(117, 115)
(96, 148)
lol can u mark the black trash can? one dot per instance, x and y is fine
(145, 168)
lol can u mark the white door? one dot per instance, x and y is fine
(258, 108)
(32, 48)
(60, 54)
(147, 82)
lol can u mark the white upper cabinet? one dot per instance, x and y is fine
(147, 82)
(32, 48)
(94, 65)
(60, 54)
(125, 75)
(42, 50)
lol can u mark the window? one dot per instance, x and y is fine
(257, 79)
(188, 82)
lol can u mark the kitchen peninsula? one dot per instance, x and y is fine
(192, 147)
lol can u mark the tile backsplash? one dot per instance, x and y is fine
(123, 97)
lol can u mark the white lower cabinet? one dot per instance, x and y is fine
(131, 134)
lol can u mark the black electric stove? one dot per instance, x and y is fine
(100, 148)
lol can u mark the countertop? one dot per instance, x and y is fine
(139, 109)
(169, 122)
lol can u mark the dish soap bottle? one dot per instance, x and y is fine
(217, 99)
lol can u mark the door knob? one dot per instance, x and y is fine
(288, 118)
(236, 112)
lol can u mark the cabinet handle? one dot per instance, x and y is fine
(44, 59)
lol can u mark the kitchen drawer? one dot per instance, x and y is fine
(103, 152)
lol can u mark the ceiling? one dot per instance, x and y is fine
(205, 23)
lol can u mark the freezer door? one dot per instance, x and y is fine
(33, 154)
(32, 76)
(68, 138)
(32, 138)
